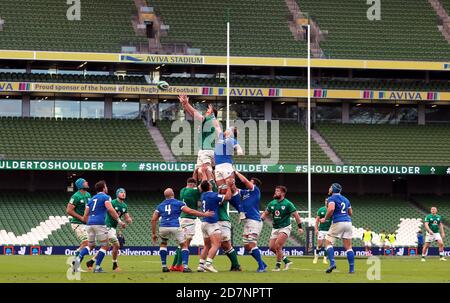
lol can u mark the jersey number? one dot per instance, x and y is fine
(343, 208)
(95, 203)
(167, 209)
(204, 205)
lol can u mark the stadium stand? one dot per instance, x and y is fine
(237, 82)
(24, 212)
(425, 202)
(383, 84)
(281, 82)
(291, 134)
(387, 144)
(407, 30)
(72, 78)
(25, 216)
(58, 139)
(325, 83)
(257, 30)
(441, 202)
(104, 26)
(386, 213)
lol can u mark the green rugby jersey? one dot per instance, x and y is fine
(207, 133)
(281, 212)
(79, 200)
(434, 222)
(321, 213)
(121, 209)
(190, 196)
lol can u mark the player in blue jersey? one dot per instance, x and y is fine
(169, 211)
(95, 216)
(211, 229)
(226, 145)
(223, 220)
(250, 199)
(340, 210)
(224, 148)
(225, 225)
(121, 207)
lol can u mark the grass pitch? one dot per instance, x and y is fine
(49, 269)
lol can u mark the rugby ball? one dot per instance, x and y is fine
(162, 85)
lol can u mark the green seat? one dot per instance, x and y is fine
(51, 139)
(388, 144)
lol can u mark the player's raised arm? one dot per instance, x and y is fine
(209, 174)
(316, 225)
(184, 100)
(86, 214)
(217, 127)
(197, 213)
(155, 219)
(330, 210)
(238, 149)
(206, 176)
(128, 218)
(264, 215)
(195, 174)
(229, 192)
(204, 170)
(70, 210)
(113, 213)
(298, 219)
(247, 183)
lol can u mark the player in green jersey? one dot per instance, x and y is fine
(321, 230)
(225, 225)
(122, 210)
(207, 132)
(191, 196)
(75, 209)
(281, 210)
(435, 232)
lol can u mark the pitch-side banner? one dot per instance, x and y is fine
(151, 89)
(37, 250)
(189, 167)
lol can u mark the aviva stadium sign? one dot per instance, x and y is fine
(49, 165)
(221, 60)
